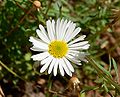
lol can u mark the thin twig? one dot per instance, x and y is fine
(24, 10)
(21, 20)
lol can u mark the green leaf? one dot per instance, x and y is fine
(88, 88)
(104, 85)
(110, 64)
(116, 69)
(104, 70)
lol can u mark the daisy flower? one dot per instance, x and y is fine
(58, 48)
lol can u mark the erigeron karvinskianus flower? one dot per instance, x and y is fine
(58, 47)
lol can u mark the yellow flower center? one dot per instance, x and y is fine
(58, 49)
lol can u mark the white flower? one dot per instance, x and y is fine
(58, 47)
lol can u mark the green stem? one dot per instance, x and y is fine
(12, 72)
(49, 86)
(103, 74)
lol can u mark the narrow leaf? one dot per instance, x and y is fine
(116, 69)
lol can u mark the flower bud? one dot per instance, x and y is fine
(37, 4)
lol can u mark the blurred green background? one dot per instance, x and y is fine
(99, 20)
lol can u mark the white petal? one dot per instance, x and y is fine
(69, 31)
(75, 61)
(60, 29)
(45, 66)
(77, 39)
(82, 56)
(61, 69)
(73, 51)
(63, 64)
(50, 30)
(40, 56)
(42, 36)
(51, 65)
(53, 28)
(43, 31)
(72, 35)
(79, 64)
(80, 48)
(55, 68)
(68, 64)
(46, 59)
(73, 54)
(65, 26)
(79, 44)
(57, 28)
(37, 43)
(72, 58)
(37, 49)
